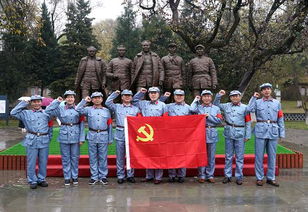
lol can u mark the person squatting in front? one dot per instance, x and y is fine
(37, 138)
(99, 136)
(236, 132)
(203, 105)
(121, 111)
(71, 134)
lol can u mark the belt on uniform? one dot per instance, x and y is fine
(234, 125)
(120, 126)
(69, 124)
(210, 126)
(267, 121)
(37, 133)
(97, 131)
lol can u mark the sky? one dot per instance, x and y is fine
(106, 9)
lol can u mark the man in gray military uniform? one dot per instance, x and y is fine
(174, 69)
(148, 70)
(119, 70)
(91, 74)
(202, 72)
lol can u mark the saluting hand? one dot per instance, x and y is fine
(60, 99)
(143, 90)
(222, 92)
(167, 94)
(246, 139)
(117, 92)
(88, 99)
(197, 98)
(256, 94)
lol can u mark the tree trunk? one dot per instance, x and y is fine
(306, 117)
(42, 89)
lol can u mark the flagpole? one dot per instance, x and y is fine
(126, 144)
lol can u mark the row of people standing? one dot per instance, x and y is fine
(268, 129)
(146, 70)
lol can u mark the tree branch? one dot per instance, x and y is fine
(193, 5)
(236, 21)
(276, 4)
(147, 8)
(251, 19)
(174, 4)
(218, 20)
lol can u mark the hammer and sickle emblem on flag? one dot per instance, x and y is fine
(148, 136)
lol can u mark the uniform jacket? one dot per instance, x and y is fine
(157, 68)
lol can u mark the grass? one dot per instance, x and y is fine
(300, 125)
(290, 107)
(12, 123)
(54, 149)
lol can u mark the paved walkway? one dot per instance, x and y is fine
(292, 195)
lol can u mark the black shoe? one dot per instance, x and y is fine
(104, 181)
(131, 179)
(146, 180)
(171, 179)
(43, 184)
(181, 180)
(239, 181)
(272, 182)
(259, 183)
(75, 181)
(226, 180)
(67, 182)
(120, 181)
(33, 186)
(92, 182)
(157, 182)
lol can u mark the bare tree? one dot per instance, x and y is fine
(265, 28)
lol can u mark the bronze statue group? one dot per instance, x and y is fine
(148, 73)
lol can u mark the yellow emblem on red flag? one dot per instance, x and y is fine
(148, 135)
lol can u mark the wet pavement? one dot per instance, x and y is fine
(292, 195)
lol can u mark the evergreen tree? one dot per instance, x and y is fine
(79, 36)
(127, 33)
(14, 57)
(45, 53)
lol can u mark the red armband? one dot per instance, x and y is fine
(109, 121)
(50, 123)
(248, 118)
(82, 118)
(280, 114)
(219, 116)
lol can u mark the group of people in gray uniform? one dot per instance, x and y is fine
(237, 130)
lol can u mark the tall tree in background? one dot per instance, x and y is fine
(79, 36)
(45, 52)
(256, 30)
(127, 33)
(104, 32)
(16, 18)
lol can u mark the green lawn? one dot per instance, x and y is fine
(12, 123)
(300, 125)
(18, 149)
(290, 107)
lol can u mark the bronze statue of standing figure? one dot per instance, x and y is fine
(119, 70)
(174, 69)
(91, 74)
(202, 72)
(148, 70)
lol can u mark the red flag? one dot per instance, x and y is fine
(165, 142)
